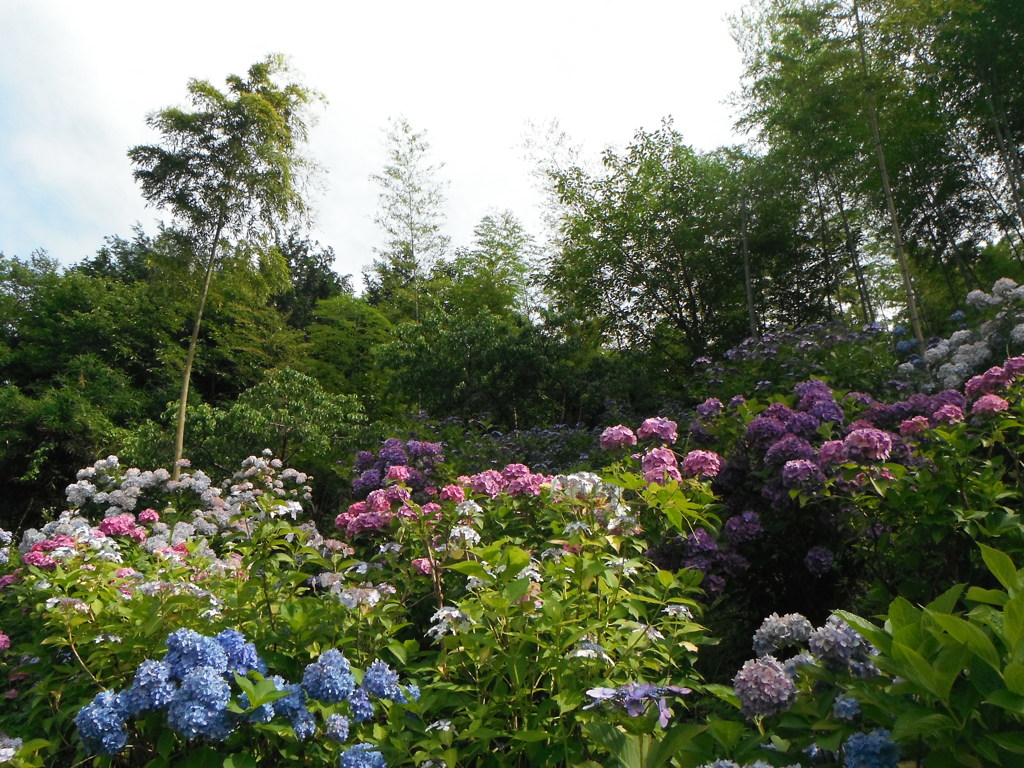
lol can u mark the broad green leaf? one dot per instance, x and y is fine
(1004, 699)
(240, 761)
(1012, 741)
(921, 722)
(1014, 677)
(1001, 566)
(970, 635)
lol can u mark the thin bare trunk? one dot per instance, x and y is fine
(186, 374)
(747, 277)
(890, 201)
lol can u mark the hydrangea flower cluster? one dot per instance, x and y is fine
(871, 750)
(420, 458)
(192, 684)
(634, 698)
(767, 686)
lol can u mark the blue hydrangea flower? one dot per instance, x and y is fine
(414, 691)
(294, 702)
(337, 728)
(242, 656)
(871, 750)
(362, 756)
(362, 707)
(101, 724)
(329, 678)
(262, 714)
(836, 645)
(8, 748)
(199, 708)
(187, 650)
(778, 632)
(845, 708)
(382, 681)
(303, 724)
(151, 688)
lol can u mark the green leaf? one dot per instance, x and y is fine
(921, 722)
(240, 761)
(531, 735)
(1001, 566)
(1013, 621)
(1011, 741)
(471, 568)
(970, 635)
(1011, 702)
(1014, 677)
(987, 596)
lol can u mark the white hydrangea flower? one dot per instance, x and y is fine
(1003, 287)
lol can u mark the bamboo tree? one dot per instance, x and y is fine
(230, 173)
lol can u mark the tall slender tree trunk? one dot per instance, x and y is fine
(747, 277)
(1011, 161)
(890, 201)
(850, 243)
(186, 374)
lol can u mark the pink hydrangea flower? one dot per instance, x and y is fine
(619, 436)
(660, 466)
(702, 464)
(5, 642)
(119, 525)
(914, 426)
(489, 483)
(149, 516)
(454, 493)
(39, 560)
(1014, 365)
(378, 502)
(399, 473)
(659, 427)
(988, 404)
(948, 414)
(422, 565)
(991, 380)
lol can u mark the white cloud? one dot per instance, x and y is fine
(77, 80)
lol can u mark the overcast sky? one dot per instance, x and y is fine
(77, 80)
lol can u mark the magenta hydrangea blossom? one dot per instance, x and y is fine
(454, 493)
(660, 466)
(914, 426)
(802, 473)
(662, 428)
(619, 436)
(489, 483)
(993, 379)
(832, 452)
(989, 404)
(702, 464)
(119, 525)
(868, 443)
(398, 473)
(948, 414)
(709, 408)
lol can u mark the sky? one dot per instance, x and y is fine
(77, 81)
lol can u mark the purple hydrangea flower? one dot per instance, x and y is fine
(837, 645)
(869, 444)
(819, 560)
(802, 474)
(786, 448)
(743, 528)
(763, 688)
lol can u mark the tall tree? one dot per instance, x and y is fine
(411, 216)
(230, 172)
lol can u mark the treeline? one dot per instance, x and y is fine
(881, 182)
